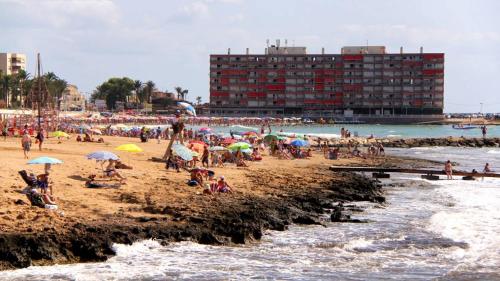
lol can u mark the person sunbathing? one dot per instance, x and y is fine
(111, 171)
(223, 186)
(196, 178)
(41, 199)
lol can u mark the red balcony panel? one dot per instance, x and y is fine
(281, 72)
(319, 87)
(224, 81)
(319, 72)
(262, 80)
(329, 80)
(319, 80)
(353, 87)
(256, 95)
(275, 87)
(280, 80)
(339, 94)
(433, 56)
(338, 65)
(329, 72)
(243, 79)
(432, 71)
(280, 102)
(329, 102)
(352, 57)
(219, 94)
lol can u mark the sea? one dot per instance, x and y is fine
(427, 230)
(378, 131)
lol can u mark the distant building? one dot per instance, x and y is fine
(100, 105)
(11, 63)
(163, 102)
(72, 99)
(361, 82)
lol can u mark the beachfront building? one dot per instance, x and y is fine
(362, 82)
(72, 99)
(11, 63)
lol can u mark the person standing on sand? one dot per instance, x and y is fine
(448, 169)
(40, 138)
(26, 144)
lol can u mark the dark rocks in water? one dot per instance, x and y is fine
(237, 219)
(305, 220)
(456, 142)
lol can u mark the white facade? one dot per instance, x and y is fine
(11, 63)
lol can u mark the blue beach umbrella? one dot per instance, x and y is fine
(102, 155)
(45, 160)
(189, 108)
(182, 151)
(299, 143)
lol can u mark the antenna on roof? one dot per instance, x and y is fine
(277, 43)
(267, 42)
(286, 42)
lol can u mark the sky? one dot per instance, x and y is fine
(169, 42)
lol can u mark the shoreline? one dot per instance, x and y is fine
(156, 203)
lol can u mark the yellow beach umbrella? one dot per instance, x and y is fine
(60, 134)
(130, 147)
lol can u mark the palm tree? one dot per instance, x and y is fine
(198, 100)
(6, 84)
(21, 78)
(150, 86)
(137, 88)
(181, 94)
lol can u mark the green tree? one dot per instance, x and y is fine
(198, 100)
(138, 87)
(55, 86)
(149, 89)
(113, 90)
(181, 93)
(6, 82)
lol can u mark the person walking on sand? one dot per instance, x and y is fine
(448, 169)
(26, 144)
(484, 131)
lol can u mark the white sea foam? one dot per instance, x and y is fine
(493, 151)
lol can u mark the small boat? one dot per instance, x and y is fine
(462, 127)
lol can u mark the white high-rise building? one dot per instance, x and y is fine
(11, 63)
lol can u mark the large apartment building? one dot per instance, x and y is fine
(359, 82)
(11, 63)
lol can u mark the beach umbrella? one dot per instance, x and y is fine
(130, 147)
(205, 130)
(299, 143)
(228, 141)
(60, 134)
(45, 160)
(198, 142)
(102, 155)
(217, 148)
(182, 151)
(250, 134)
(95, 131)
(239, 145)
(247, 151)
(189, 108)
(270, 137)
(84, 127)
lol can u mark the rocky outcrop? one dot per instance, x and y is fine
(243, 219)
(456, 142)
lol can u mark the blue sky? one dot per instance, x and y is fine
(86, 42)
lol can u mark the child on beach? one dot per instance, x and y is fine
(448, 168)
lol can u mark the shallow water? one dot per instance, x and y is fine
(396, 131)
(442, 229)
